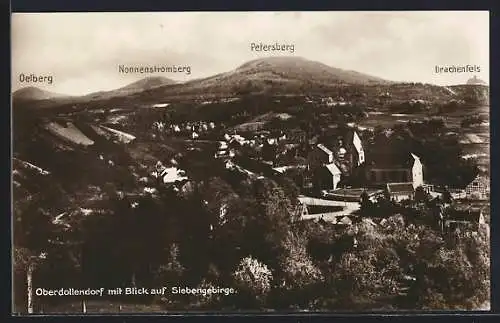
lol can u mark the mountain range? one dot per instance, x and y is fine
(277, 74)
(273, 75)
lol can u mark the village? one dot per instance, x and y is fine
(337, 166)
(339, 173)
(334, 173)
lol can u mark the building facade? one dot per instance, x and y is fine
(408, 169)
(479, 188)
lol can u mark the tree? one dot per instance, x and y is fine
(290, 189)
(446, 196)
(252, 280)
(171, 273)
(421, 195)
(298, 277)
(366, 204)
(386, 194)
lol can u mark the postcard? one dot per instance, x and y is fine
(234, 162)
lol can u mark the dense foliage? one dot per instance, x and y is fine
(216, 236)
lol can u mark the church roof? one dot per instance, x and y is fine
(391, 159)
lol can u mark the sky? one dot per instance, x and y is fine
(82, 51)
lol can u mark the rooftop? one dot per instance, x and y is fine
(392, 159)
(333, 169)
(324, 149)
(400, 187)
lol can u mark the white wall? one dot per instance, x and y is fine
(417, 172)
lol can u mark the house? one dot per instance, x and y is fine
(349, 151)
(224, 153)
(223, 145)
(319, 156)
(327, 177)
(297, 135)
(394, 167)
(479, 188)
(172, 175)
(400, 191)
(272, 141)
(469, 218)
(237, 139)
(168, 175)
(161, 105)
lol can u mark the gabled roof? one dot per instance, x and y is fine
(481, 179)
(324, 149)
(333, 169)
(392, 158)
(400, 187)
(415, 157)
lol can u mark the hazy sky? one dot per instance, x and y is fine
(82, 51)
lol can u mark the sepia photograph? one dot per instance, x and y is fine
(250, 162)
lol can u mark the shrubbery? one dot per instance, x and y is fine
(272, 261)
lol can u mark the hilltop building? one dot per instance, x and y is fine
(475, 81)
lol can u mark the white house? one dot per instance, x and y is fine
(335, 174)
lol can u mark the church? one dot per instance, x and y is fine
(329, 163)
